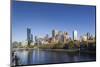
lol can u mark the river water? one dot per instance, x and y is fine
(36, 56)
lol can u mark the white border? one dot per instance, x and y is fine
(4, 33)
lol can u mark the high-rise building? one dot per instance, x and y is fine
(46, 37)
(75, 35)
(36, 39)
(88, 35)
(29, 35)
(66, 37)
(54, 33)
(60, 36)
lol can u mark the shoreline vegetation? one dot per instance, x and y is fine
(71, 46)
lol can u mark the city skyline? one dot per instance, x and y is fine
(43, 18)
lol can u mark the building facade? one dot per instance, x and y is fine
(75, 37)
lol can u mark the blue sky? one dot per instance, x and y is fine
(43, 17)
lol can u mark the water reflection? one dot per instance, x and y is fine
(29, 57)
(37, 56)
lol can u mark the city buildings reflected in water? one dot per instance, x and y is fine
(37, 56)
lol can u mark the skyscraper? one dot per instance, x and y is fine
(54, 33)
(60, 36)
(46, 37)
(36, 39)
(65, 37)
(88, 35)
(28, 35)
(31, 37)
(75, 35)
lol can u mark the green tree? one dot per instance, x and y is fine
(71, 44)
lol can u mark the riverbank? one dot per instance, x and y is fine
(64, 50)
(60, 50)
